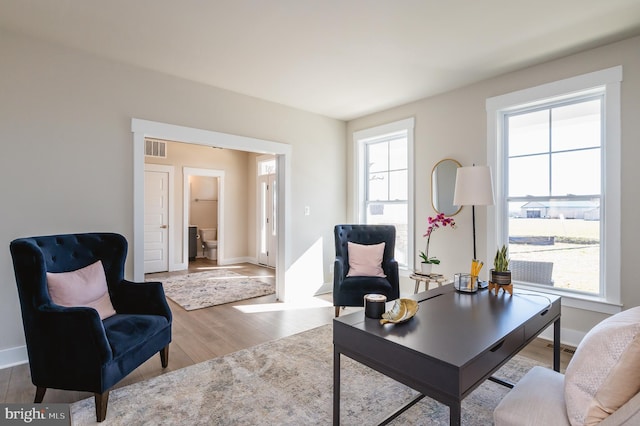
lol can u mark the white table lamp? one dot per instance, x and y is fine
(474, 187)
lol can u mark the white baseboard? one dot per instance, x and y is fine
(13, 356)
(325, 289)
(233, 260)
(568, 336)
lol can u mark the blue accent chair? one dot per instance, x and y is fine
(71, 348)
(350, 291)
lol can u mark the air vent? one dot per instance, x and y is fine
(567, 349)
(155, 148)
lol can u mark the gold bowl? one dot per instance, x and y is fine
(403, 310)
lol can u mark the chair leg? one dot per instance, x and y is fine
(337, 311)
(164, 356)
(40, 391)
(101, 401)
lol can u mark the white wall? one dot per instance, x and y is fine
(67, 152)
(453, 125)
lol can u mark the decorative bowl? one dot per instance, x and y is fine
(403, 310)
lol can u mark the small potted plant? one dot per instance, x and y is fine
(500, 274)
(440, 220)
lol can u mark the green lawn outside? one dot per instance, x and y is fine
(576, 265)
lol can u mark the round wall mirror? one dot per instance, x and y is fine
(443, 182)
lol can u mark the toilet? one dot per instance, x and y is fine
(209, 239)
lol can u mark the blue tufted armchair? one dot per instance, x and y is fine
(350, 291)
(71, 348)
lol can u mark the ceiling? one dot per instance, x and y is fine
(339, 58)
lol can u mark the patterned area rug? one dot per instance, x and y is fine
(285, 382)
(203, 289)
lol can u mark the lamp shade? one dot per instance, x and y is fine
(473, 186)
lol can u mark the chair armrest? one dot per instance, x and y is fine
(339, 271)
(628, 414)
(141, 298)
(390, 268)
(70, 332)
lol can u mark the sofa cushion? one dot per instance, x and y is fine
(83, 287)
(365, 260)
(604, 373)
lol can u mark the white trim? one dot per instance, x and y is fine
(170, 170)
(258, 218)
(360, 137)
(384, 129)
(144, 128)
(569, 337)
(566, 88)
(607, 81)
(186, 194)
(13, 356)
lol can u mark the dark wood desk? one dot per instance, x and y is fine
(454, 343)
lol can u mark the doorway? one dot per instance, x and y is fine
(267, 212)
(211, 204)
(282, 153)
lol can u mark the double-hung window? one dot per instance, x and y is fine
(556, 152)
(384, 176)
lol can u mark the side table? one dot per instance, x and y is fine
(428, 279)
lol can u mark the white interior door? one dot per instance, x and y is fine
(156, 221)
(267, 240)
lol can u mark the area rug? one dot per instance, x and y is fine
(203, 289)
(285, 382)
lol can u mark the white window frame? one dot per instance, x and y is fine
(360, 138)
(606, 81)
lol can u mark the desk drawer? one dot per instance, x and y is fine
(536, 325)
(477, 369)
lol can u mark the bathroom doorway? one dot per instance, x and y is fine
(204, 209)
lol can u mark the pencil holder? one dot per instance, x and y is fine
(465, 283)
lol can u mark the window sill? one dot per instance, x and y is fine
(572, 300)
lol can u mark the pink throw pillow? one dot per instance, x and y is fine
(83, 287)
(365, 260)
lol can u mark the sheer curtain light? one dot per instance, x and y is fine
(474, 187)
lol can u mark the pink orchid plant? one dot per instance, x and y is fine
(440, 220)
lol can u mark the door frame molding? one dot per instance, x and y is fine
(260, 158)
(145, 128)
(187, 172)
(170, 170)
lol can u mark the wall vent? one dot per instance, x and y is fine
(155, 148)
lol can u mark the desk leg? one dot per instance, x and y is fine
(455, 414)
(556, 345)
(336, 387)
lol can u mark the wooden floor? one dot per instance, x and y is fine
(212, 332)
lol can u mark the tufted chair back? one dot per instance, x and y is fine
(35, 256)
(366, 235)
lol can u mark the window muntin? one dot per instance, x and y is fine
(553, 160)
(385, 181)
(386, 200)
